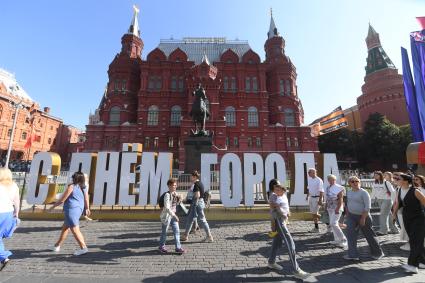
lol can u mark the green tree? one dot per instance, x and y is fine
(381, 145)
(339, 142)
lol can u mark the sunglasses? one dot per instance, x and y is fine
(396, 178)
(354, 181)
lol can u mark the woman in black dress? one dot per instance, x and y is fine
(412, 200)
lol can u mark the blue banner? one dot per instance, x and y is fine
(410, 94)
(417, 41)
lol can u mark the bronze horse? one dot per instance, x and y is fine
(199, 112)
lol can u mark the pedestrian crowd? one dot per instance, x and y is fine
(399, 196)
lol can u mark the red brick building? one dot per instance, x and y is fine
(254, 105)
(48, 131)
(383, 88)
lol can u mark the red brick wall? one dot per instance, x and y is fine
(383, 93)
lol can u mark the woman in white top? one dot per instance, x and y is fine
(403, 234)
(384, 192)
(9, 211)
(334, 204)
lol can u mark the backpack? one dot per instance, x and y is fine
(161, 200)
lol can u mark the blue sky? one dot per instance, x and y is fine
(60, 50)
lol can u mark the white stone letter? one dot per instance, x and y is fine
(127, 179)
(206, 160)
(39, 191)
(230, 197)
(301, 159)
(251, 179)
(152, 177)
(105, 187)
(272, 160)
(330, 166)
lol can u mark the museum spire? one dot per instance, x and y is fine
(134, 27)
(272, 29)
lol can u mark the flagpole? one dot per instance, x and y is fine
(26, 169)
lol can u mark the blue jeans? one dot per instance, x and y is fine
(353, 228)
(283, 238)
(7, 226)
(384, 216)
(176, 231)
(197, 211)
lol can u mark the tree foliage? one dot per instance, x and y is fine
(381, 145)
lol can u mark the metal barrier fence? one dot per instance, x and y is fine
(184, 183)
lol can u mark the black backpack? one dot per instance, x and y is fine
(161, 200)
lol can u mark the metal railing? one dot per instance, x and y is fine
(184, 183)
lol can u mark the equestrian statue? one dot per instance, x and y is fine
(199, 112)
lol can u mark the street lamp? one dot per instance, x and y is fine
(17, 106)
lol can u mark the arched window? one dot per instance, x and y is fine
(173, 83)
(226, 83)
(254, 84)
(230, 116)
(153, 113)
(116, 84)
(252, 117)
(288, 87)
(233, 84)
(289, 117)
(181, 84)
(114, 116)
(151, 83)
(175, 115)
(155, 83)
(282, 87)
(247, 84)
(158, 85)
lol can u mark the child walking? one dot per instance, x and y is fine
(271, 194)
(280, 205)
(168, 202)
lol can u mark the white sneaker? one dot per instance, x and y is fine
(301, 274)
(410, 268)
(342, 244)
(55, 248)
(405, 247)
(81, 251)
(421, 266)
(274, 266)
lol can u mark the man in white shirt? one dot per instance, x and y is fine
(314, 197)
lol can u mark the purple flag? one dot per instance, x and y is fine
(417, 42)
(410, 94)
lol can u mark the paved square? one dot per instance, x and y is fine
(128, 251)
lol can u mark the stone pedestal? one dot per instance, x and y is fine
(194, 147)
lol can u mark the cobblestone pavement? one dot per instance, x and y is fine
(128, 251)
